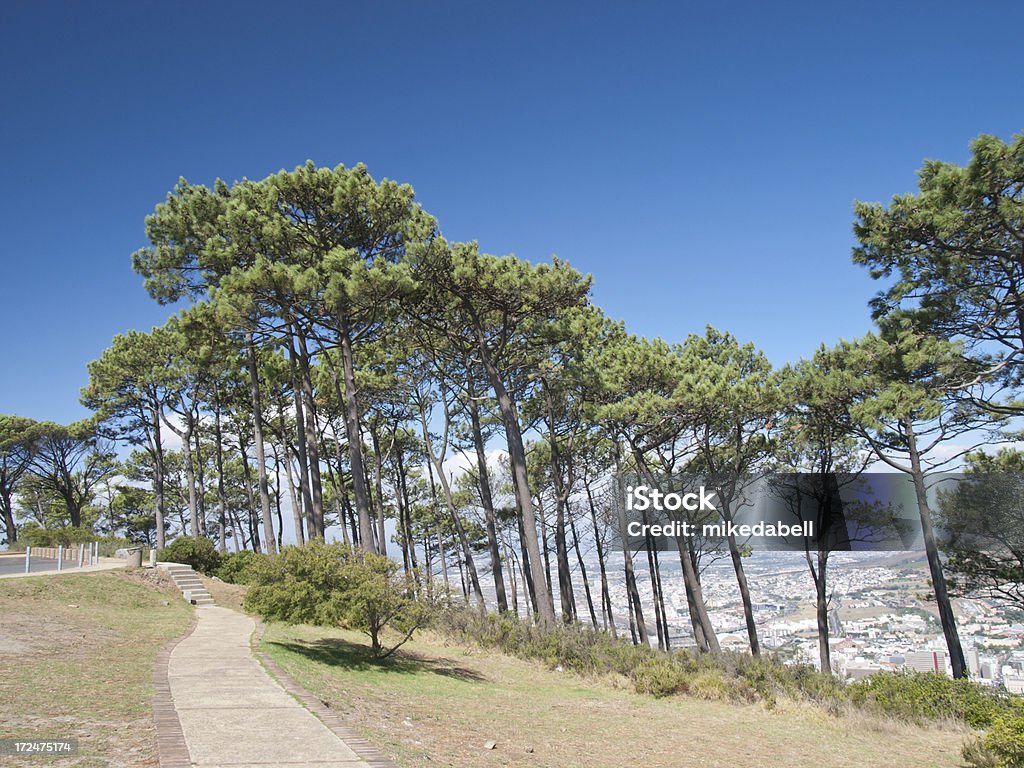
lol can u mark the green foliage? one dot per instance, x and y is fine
(332, 585)
(199, 553)
(977, 755)
(932, 696)
(951, 256)
(983, 519)
(36, 536)
(659, 679)
(238, 567)
(110, 544)
(1005, 739)
(721, 676)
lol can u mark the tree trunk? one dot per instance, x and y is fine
(512, 580)
(467, 552)
(200, 464)
(9, 527)
(300, 534)
(355, 446)
(407, 507)
(583, 571)
(741, 576)
(700, 619)
(566, 595)
(524, 565)
(820, 575)
(257, 431)
(520, 480)
(190, 479)
(946, 616)
(300, 439)
(637, 627)
(378, 484)
(312, 447)
(486, 501)
(158, 479)
(653, 569)
(606, 599)
(254, 530)
(222, 502)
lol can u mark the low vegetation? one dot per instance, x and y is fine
(440, 701)
(200, 553)
(336, 586)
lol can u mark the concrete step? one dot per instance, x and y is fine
(188, 581)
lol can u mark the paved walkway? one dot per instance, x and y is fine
(233, 713)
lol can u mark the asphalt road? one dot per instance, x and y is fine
(10, 564)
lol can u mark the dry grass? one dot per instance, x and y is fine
(76, 661)
(224, 594)
(440, 704)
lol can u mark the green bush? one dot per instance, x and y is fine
(724, 676)
(660, 678)
(34, 536)
(110, 544)
(201, 554)
(930, 696)
(1005, 739)
(238, 567)
(333, 585)
(977, 755)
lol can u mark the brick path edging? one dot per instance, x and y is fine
(363, 749)
(170, 739)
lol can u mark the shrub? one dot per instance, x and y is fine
(110, 544)
(34, 536)
(725, 676)
(930, 696)
(977, 755)
(199, 553)
(660, 678)
(332, 585)
(1005, 739)
(238, 567)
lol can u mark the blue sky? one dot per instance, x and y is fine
(700, 161)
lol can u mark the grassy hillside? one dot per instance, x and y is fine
(441, 704)
(76, 661)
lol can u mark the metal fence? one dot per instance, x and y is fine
(72, 556)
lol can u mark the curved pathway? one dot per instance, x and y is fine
(233, 713)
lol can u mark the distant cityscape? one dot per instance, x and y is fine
(881, 616)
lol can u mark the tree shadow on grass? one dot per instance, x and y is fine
(336, 652)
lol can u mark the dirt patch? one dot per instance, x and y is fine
(224, 594)
(48, 634)
(150, 577)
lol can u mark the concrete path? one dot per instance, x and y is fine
(233, 713)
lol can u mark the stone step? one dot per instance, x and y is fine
(188, 581)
